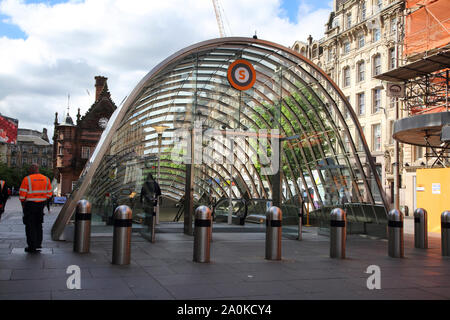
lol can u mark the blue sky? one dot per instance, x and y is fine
(290, 9)
(291, 6)
(12, 31)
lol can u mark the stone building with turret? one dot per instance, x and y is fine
(74, 142)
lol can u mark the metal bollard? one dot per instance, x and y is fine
(395, 234)
(202, 234)
(273, 233)
(122, 235)
(445, 229)
(338, 233)
(300, 222)
(82, 234)
(420, 228)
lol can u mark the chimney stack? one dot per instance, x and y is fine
(99, 84)
(44, 135)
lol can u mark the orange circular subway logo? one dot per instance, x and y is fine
(241, 75)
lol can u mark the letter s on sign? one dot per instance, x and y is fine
(242, 74)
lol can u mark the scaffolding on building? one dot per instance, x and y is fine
(425, 79)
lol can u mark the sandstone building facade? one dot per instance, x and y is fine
(363, 38)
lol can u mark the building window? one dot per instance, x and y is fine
(85, 152)
(363, 10)
(346, 74)
(391, 58)
(346, 114)
(418, 152)
(361, 41)
(346, 47)
(60, 151)
(44, 162)
(349, 20)
(361, 103)
(376, 137)
(346, 143)
(376, 64)
(336, 22)
(393, 25)
(376, 34)
(345, 111)
(13, 161)
(376, 100)
(360, 143)
(314, 51)
(361, 68)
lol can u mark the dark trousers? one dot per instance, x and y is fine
(33, 217)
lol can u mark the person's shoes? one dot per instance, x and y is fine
(31, 250)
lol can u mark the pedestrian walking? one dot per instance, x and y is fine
(4, 195)
(149, 197)
(34, 192)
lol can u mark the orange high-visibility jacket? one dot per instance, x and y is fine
(35, 187)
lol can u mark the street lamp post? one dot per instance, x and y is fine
(159, 129)
(230, 203)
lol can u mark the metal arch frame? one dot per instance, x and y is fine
(213, 44)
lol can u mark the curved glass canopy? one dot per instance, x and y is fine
(234, 135)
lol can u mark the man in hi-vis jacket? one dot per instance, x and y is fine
(34, 192)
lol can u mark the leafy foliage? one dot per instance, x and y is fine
(298, 111)
(14, 176)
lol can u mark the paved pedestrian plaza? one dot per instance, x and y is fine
(238, 270)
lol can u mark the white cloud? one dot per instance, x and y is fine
(68, 44)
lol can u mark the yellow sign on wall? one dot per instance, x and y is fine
(433, 194)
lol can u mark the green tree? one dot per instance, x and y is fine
(14, 176)
(299, 110)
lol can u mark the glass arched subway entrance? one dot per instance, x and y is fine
(324, 160)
